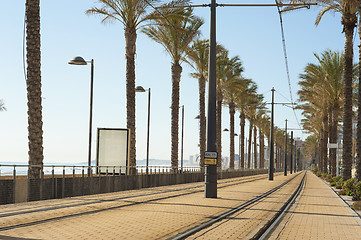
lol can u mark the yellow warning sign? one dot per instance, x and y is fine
(210, 161)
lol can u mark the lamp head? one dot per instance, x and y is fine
(226, 130)
(78, 61)
(139, 89)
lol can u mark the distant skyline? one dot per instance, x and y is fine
(252, 33)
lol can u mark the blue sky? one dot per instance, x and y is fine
(251, 33)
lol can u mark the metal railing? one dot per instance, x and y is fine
(22, 170)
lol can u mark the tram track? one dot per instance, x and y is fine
(263, 231)
(91, 207)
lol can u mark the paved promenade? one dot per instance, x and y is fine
(164, 212)
(319, 214)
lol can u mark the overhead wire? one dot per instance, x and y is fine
(283, 96)
(286, 60)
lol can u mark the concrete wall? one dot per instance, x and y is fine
(22, 190)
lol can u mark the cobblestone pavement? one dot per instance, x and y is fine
(136, 214)
(319, 214)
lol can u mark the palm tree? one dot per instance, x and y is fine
(263, 123)
(33, 84)
(256, 103)
(358, 135)
(175, 34)
(197, 56)
(233, 85)
(133, 15)
(222, 61)
(348, 9)
(321, 88)
(243, 100)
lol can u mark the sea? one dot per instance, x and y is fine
(21, 167)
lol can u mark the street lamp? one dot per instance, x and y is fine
(80, 61)
(141, 89)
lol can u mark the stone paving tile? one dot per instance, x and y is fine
(246, 223)
(152, 220)
(319, 214)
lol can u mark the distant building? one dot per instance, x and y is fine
(191, 160)
(225, 162)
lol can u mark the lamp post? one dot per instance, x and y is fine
(271, 158)
(80, 61)
(141, 89)
(291, 159)
(286, 141)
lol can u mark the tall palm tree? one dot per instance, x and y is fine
(348, 10)
(243, 100)
(222, 61)
(175, 34)
(322, 89)
(263, 123)
(358, 135)
(256, 103)
(33, 84)
(234, 84)
(133, 15)
(197, 56)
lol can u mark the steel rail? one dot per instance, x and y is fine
(232, 211)
(269, 227)
(194, 188)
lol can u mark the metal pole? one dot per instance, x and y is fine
(182, 138)
(271, 159)
(148, 128)
(90, 115)
(239, 151)
(295, 159)
(285, 162)
(211, 170)
(291, 161)
(338, 168)
(246, 149)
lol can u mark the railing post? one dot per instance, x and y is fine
(53, 191)
(63, 184)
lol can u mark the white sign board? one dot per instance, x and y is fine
(210, 154)
(112, 150)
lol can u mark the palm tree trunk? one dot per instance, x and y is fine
(231, 134)
(202, 120)
(219, 129)
(255, 146)
(130, 39)
(261, 149)
(33, 83)
(358, 135)
(277, 155)
(321, 151)
(348, 21)
(325, 140)
(242, 123)
(250, 144)
(333, 138)
(176, 75)
(329, 139)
